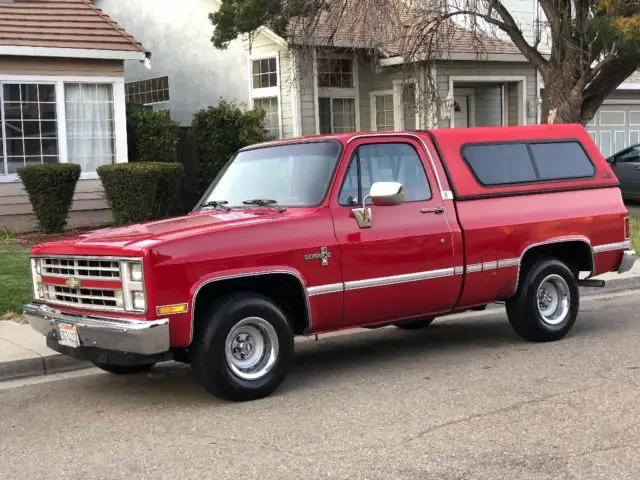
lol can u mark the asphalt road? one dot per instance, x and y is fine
(464, 399)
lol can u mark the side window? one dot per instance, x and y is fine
(560, 160)
(384, 162)
(632, 155)
(500, 164)
(527, 162)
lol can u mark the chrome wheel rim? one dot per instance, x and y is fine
(251, 348)
(553, 300)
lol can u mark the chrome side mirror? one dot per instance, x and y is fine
(381, 194)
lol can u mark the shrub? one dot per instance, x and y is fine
(220, 131)
(137, 192)
(50, 187)
(156, 135)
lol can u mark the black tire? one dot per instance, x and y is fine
(415, 324)
(124, 369)
(209, 360)
(524, 315)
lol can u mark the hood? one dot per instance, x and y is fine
(132, 239)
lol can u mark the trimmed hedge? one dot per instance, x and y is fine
(50, 187)
(156, 135)
(142, 191)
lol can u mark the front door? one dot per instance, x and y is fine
(461, 111)
(402, 266)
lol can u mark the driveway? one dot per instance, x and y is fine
(464, 399)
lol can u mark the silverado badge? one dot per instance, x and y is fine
(324, 255)
(72, 283)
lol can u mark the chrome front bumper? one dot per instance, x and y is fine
(627, 262)
(114, 334)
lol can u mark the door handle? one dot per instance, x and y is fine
(436, 210)
(637, 167)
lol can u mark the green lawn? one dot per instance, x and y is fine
(15, 278)
(635, 233)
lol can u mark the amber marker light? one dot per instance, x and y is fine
(173, 309)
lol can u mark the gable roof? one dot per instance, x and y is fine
(65, 27)
(390, 30)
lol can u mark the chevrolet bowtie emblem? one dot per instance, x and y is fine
(324, 255)
(72, 283)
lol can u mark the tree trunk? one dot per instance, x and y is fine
(562, 97)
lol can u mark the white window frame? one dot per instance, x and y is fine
(269, 91)
(331, 93)
(374, 109)
(339, 97)
(119, 114)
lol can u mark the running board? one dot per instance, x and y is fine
(591, 283)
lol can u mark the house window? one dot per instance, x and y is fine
(148, 92)
(264, 72)
(29, 134)
(384, 112)
(265, 91)
(335, 73)
(90, 124)
(272, 116)
(58, 121)
(337, 115)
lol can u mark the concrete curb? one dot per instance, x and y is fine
(40, 365)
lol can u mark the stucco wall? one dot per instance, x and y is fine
(178, 34)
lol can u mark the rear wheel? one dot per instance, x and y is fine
(244, 347)
(415, 324)
(546, 305)
(123, 369)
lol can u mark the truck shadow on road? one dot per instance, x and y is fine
(476, 342)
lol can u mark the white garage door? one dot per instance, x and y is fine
(615, 127)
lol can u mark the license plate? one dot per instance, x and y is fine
(68, 335)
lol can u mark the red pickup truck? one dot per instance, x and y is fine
(316, 234)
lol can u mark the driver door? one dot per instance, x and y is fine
(402, 266)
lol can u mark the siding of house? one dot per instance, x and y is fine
(263, 45)
(485, 69)
(304, 63)
(178, 33)
(89, 207)
(10, 65)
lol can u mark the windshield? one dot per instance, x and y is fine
(294, 175)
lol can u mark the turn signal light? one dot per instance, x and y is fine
(173, 309)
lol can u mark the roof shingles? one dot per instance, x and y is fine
(74, 24)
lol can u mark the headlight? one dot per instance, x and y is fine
(139, 302)
(38, 267)
(135, 272)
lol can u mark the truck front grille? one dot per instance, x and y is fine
(83, 297)
(69, 267)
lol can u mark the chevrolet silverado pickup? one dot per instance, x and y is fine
(317, 234)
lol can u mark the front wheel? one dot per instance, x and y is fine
(546, 305)
(243, 348)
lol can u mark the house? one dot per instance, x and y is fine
(63, 100)
(188, 73)
(616, 125)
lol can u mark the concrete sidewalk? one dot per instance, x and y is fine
(23, 351)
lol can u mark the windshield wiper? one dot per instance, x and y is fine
(262, 202)
(216, 204)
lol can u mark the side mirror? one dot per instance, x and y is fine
(381, 194)
(386, 193)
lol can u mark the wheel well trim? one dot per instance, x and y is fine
(555, 241)
(259, 273)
